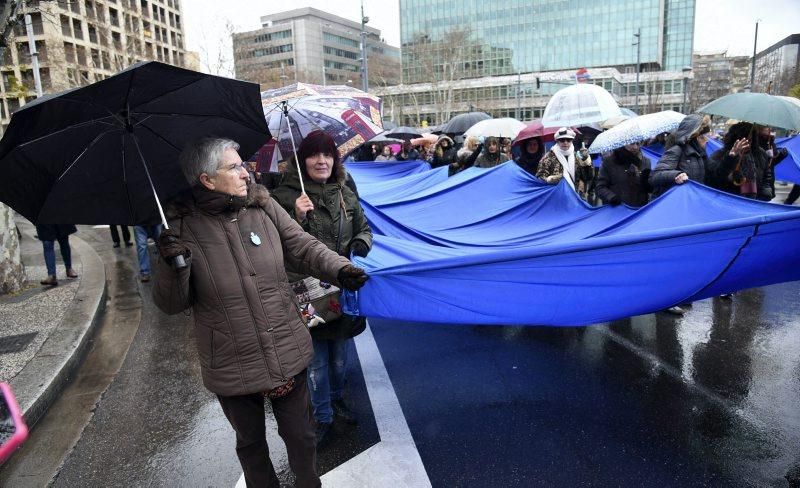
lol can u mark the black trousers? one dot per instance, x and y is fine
(126, 234)
(793, 195)
(295, 426)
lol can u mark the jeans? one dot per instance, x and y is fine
(126, 235)
(326, 375)
(50, 254)
(142, 232)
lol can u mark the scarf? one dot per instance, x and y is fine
(567, 160)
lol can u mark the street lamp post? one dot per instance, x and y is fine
(638, 45)
(364, 68)
(753, 65)
(686, 70)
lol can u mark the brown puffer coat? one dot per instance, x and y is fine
(249, 332)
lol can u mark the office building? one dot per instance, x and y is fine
(451, 45)
(80, 42)
(312, 46)
(778, 66)
(715, 75)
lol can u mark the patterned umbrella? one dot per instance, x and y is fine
(349, 116)
(580, 105)
(636, 129)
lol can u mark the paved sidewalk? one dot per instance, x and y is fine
(49, 328)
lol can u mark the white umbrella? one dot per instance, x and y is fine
(636, 129)
(505, 127)
(579, 105)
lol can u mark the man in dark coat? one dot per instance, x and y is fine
(686, 159)
(623, 177)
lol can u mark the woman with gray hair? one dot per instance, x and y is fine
(252, 341)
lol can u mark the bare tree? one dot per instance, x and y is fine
(441, 63)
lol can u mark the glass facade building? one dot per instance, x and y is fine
(534, 36)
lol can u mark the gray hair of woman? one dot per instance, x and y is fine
(203, 156)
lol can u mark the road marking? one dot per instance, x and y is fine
(395, 460)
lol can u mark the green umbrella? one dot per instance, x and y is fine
(758, 108)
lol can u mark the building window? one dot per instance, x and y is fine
(267, 51)
(77, 29)
(341, 40)
(340, 52)
(273, 36)
(66, 28)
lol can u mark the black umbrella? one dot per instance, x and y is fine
(106, 152)
(460, 123)
(403, 132)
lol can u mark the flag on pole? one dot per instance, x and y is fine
(582, 76)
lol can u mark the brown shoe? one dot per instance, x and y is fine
(50, 281)
(71, 273)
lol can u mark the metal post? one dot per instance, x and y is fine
(638, 44)
(364, 69)
(518, 99)
(753, 65)
(324, 76)
(37, 81)
(685, 83)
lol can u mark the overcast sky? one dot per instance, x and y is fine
(719, 25)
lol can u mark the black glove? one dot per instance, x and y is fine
(615, 200)
(644, 180)
(351, 277)
(359, 248)
(170, 246)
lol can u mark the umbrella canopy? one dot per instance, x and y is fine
(505, 127)
(536, 129)
(461, 122)
(350, 116)
(636, 129)
(425, 140)
(403, 132)
(758, 108)
(382, 139)
(579, 105)
(98, 154)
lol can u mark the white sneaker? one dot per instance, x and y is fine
(676, 310)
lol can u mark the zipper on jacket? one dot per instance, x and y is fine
(270, 329)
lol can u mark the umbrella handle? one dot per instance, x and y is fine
(285, 111)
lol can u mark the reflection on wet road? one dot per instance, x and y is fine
(708, 399)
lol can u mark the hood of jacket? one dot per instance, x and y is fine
(690, 127)
(199, 197)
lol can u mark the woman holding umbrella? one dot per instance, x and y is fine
(329, 211)
(623, 176)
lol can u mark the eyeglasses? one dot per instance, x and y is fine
(563, 141)
(236, 168)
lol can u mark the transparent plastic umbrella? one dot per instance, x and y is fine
(579, 105)
(636, 129)
(505, 127)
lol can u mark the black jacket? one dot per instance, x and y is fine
(623, 178)
(722, 165)
(686, 158)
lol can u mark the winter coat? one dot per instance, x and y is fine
(684, 156)
(687, 158)
(623, 178)
(487, 160)
(721, 165)
(249, 333)
(412, 155)
(385, 158)
(448, 155)
(53, 232)
(527, 161)
(584, 171)
(324, 223)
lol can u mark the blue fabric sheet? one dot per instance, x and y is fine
(496, 246)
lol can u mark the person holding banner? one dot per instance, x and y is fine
(331, 212)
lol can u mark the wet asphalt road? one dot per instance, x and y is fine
(709, 399)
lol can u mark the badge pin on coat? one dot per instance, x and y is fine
(255, 239)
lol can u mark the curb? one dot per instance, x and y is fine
(48, 372)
